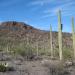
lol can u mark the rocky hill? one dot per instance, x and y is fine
(14, 34)
(20, 29)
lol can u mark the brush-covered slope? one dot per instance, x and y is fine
(18, 34)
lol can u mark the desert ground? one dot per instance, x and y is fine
(38, 66)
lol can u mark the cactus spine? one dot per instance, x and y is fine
(73, 35)
(51, 41)
(60, 35)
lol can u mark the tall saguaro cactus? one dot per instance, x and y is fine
(27, 39)
(37, 46)
(60, 35)
(51, 41)
(73, 35)
(37, 49)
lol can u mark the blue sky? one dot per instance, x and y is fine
(38, 13)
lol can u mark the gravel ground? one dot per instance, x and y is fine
(27, 68)
(38, 67)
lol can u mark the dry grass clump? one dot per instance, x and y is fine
(55, 67)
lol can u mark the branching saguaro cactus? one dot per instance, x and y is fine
(60, 35)
(51, 46)
(73, 35)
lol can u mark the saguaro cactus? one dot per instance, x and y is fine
(60, 35)
(27, 39)
(51, 41)
(73, 35)
(37, 49)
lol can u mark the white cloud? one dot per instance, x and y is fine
(48, 15)
(41, 2)
(67, 9)
(66, 6)
(25, 21)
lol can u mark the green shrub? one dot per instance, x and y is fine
(56, 68)
(56, 53)
(25, 51)
(2, 68)
(67, 53)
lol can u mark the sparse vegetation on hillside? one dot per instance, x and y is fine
(14, 41)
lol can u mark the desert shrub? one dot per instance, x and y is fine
(10, 69)
(56, 53)
(1, 50)
(3, 68)
(58, 71)
(41, 51)
(67, 53)
(55, 67)
(25, 51)
(57, 46)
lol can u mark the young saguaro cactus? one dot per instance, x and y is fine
(60, 35)
(37, 49)
(51, 41)
(37, 45)
(73, 35)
